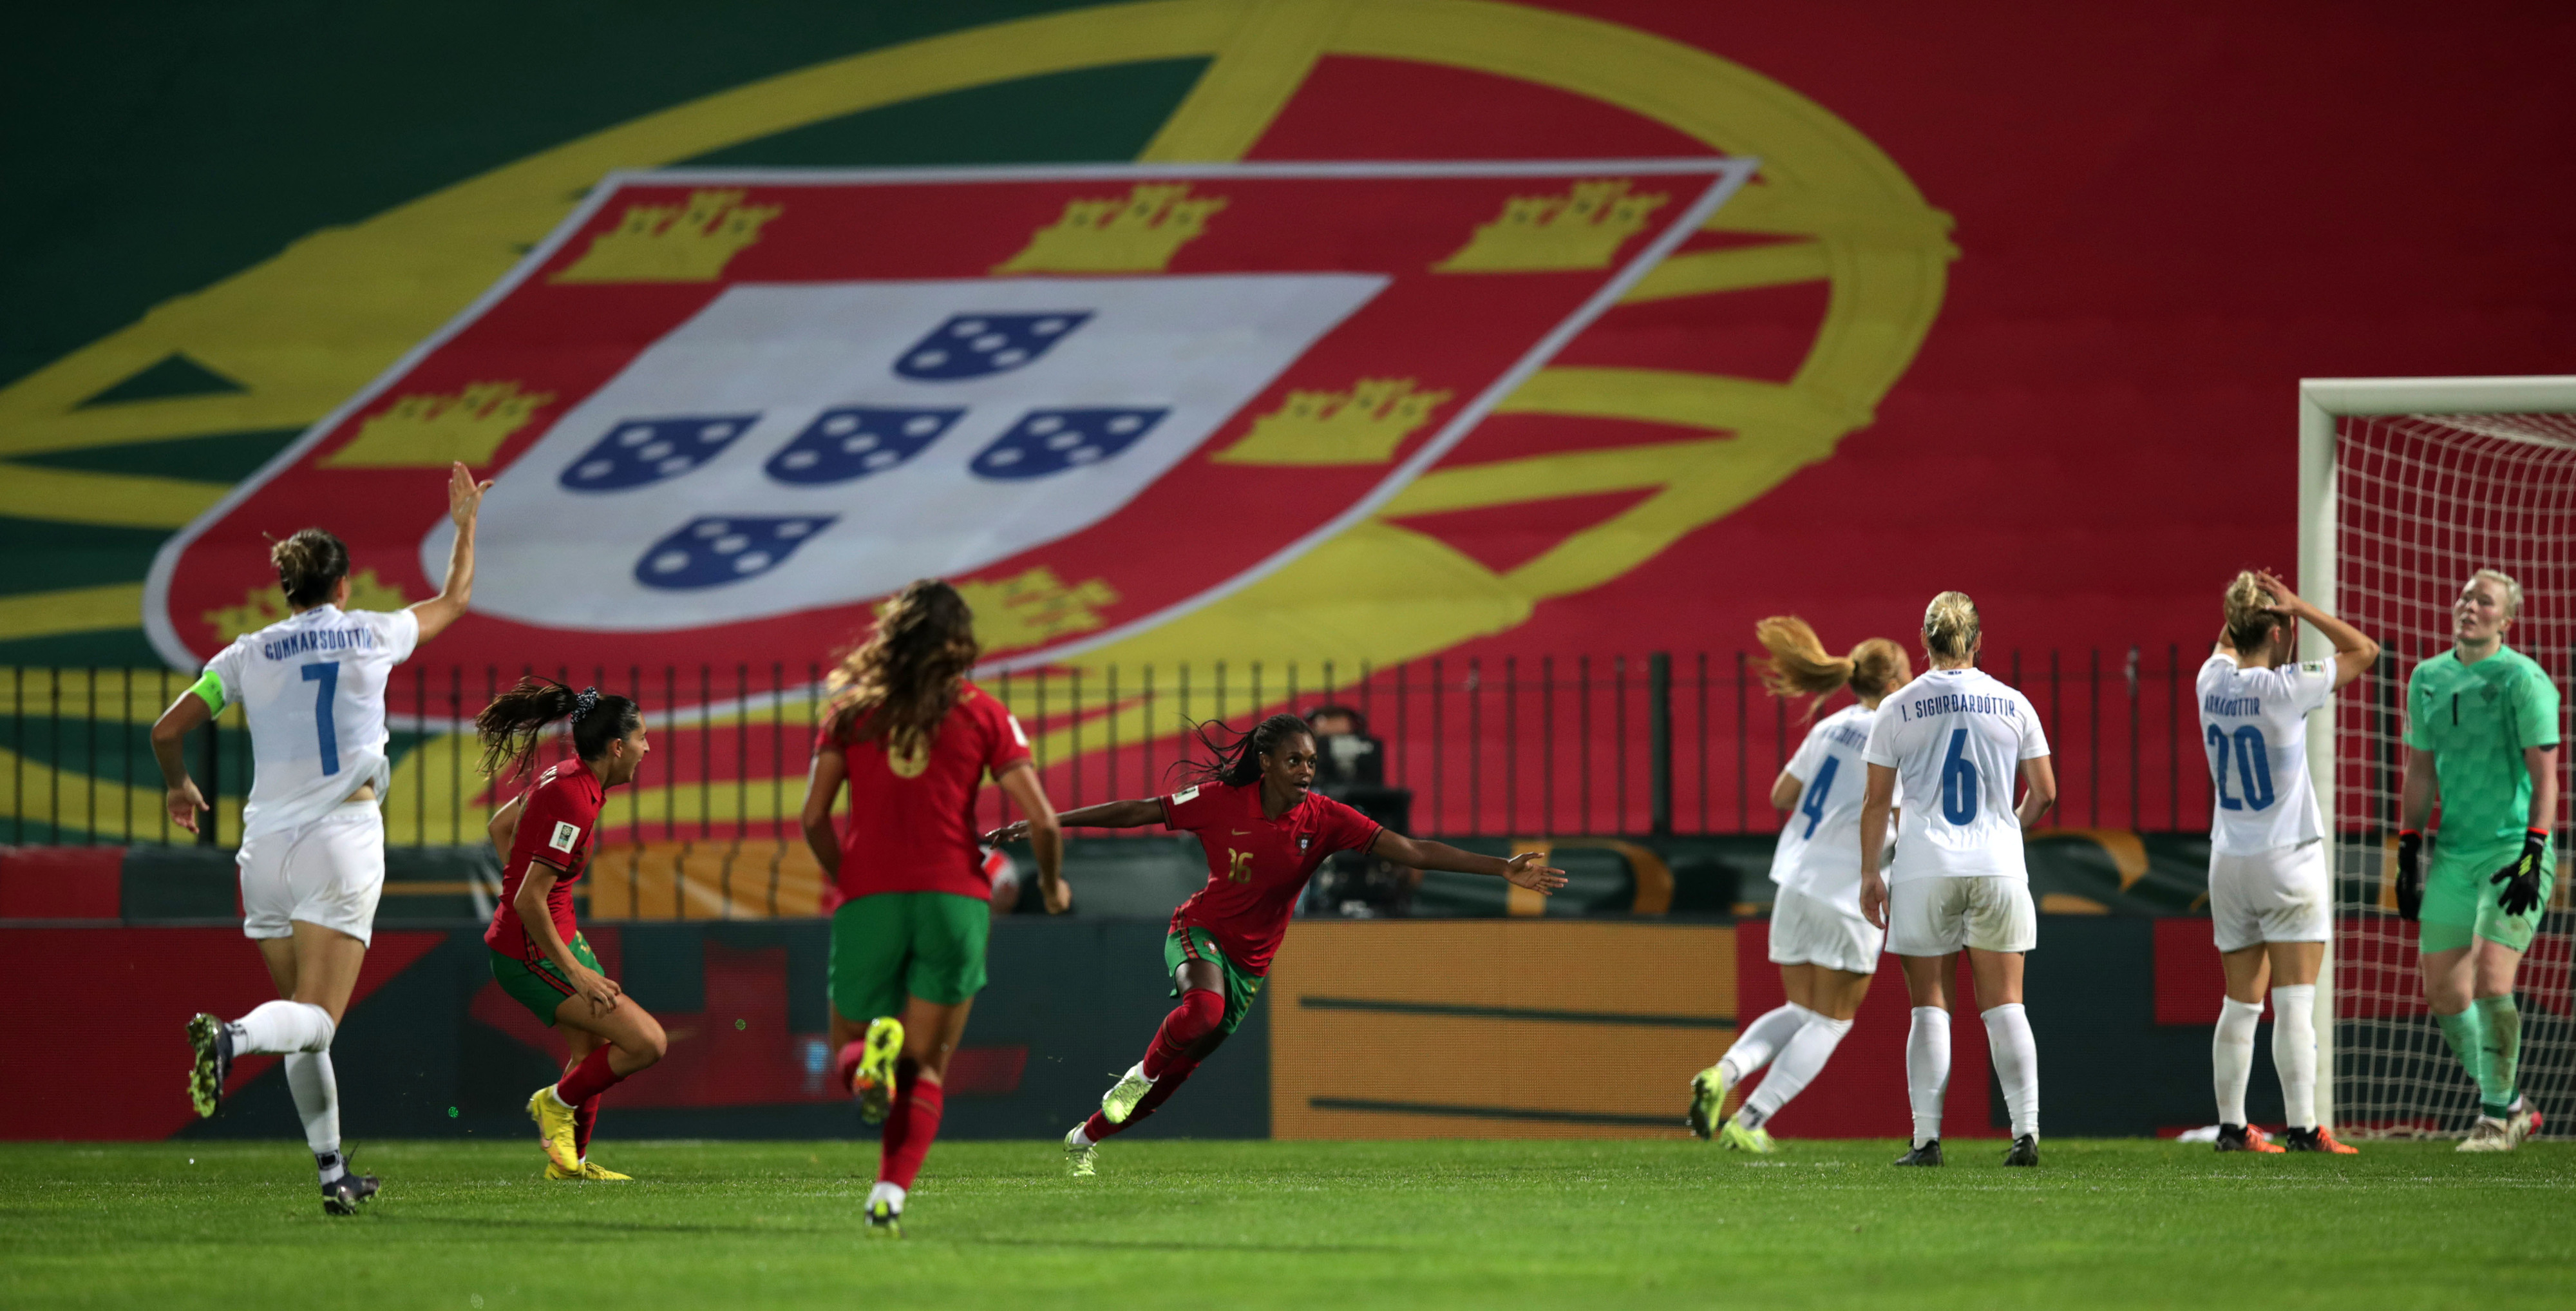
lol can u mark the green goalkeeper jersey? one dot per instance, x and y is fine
(2476, 720)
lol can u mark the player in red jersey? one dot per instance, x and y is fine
(1264, 834)
(548, 834)
(913, 740)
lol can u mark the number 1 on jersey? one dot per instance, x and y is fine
(327, 674)
(1814, 806)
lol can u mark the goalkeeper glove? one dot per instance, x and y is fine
(2410, 873)
(2521, 879)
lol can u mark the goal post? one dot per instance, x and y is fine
(2406, 487)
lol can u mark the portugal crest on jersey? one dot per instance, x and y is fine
(727, 412)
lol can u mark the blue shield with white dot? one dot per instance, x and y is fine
(713, 550)
(853, 441)
(980, 345)
(639, 451)
(1047, 442)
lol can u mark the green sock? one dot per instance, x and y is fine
(2466, 1032)
(2502, 1025)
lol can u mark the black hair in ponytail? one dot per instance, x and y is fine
(309, 564)
(1238, 762)
(511, 725)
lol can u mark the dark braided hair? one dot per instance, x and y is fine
(898, 685)
(1238, 762)
(511, 725)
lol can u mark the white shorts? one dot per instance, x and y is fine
(1809, 931)
(1937, 916)
(2278, 895)
(328, 872)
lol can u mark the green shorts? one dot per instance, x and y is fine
(537, 985)
(891, 945)
(1182, 946)
(2460, 902)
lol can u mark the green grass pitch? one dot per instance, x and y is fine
(1334, 1225)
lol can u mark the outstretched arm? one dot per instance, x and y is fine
(1523, 870)
(464, 504)
(1108, 814)
(2355, 653)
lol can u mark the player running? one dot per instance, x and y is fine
(1954, 739)
(547, 836)
(1264, 834)
(2482, 736)
(312, 858)
(1825, 950)
(914, 739)
(2271, 898)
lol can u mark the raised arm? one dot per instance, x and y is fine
(1046, 835)
(822, 788)
(1877, 801)
(2354, 654)
(169, 733)
(1523, 870)
(464, 504)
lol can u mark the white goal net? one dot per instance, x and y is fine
(2418, 501)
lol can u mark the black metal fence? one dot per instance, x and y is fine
(1639, 743)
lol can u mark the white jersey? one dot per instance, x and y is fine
(2254, 723)
(313, 687)
(1956, 739)
(1819, 851)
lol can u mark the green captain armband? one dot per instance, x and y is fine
(210, 689)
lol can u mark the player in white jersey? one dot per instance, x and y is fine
(2271, 898)
(312, 854)
(1951, 743)
(1825, 950)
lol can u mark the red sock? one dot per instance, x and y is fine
(1196, 1017)
(584, 1118)
(590, 1078)
(846, 1065)
(910, 1124)
(1174, 1075)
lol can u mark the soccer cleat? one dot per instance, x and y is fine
(1120, 1101)
(555, 1129)
(213, 1041)
(2524, 1123)
(2025, 1151)
(2319, 1139)
(873, 1081)
(2488, 1135)
(1734, 1136)
(884, 1221)
(1708, 1096)
(588, 1170)
(2242, 1138)
(1926, 1152)
(342, 1195)
(1079, 1159)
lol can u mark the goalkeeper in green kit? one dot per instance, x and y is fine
(2482, 732)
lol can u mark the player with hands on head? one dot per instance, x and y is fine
(1953, 742)
(547, 836)
(312, 857)
(912, 740)
(1825, 950)
(2271, 896)
(2482, 738)
(1265, 831)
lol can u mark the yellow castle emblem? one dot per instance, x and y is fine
(262, 606)
(1582, 229)
(673, 243)
(1034, 608)
(1137, 233)
(1361, 426)
(430, 430)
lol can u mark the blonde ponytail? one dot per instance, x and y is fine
(2250, 614)
(1950, 627)
(1799, 666)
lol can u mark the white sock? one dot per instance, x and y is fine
(1757, 1042)
(317, 1100)
(1927, 1069)
(886, 1192)
(2231, 1055)
(2016, 1058)
(276, 1027)
(1798, 1063)
(2294, 1050)
(1079, 1138)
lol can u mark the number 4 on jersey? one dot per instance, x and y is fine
(1814, 806)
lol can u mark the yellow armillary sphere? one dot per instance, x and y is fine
(308, 328)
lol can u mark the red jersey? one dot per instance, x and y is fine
(558, 826)
(1257, 866)
(911, 826)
